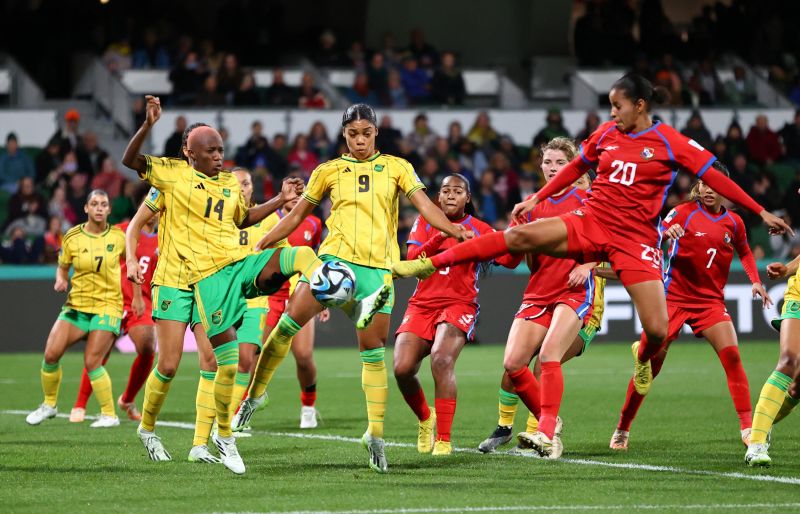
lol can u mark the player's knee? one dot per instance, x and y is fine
(441, 363)
(656, 332)
(245, 362)
(788, 362)
(51, 356)
(402, 370)
(793, 389)
(512, 364)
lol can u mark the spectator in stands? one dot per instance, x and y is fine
(740, 172)
(69, 137)
(790, 137)
(319, 142)
(302, 155)
(441, 152)
(762, 192)
(709, 80)
(229, 77)
(489, 204)
(26, 202)
(48, 160)
(210, 94)
(416, 81)
(229, 162)
(455, 132)
(278, 93)
(138, 111)
(481, 133)
(395, 94)
(589, 125)
(391, 54)
(357, 56)
(447, 84)
(90, 155)
(359, 92)
(378, 75)
(15, 164)
(532, 165)
(124, 206)
(310, 96)
(588, 30)
(388, 138)
(52, 240)
(763, 144)
(782, 245)
(422, 138)
(117, 57)
(77, 193)
(407, 151)
(506, 178)
(429, 174)
(246, 94)
(187, 79)
(669, 77)
(425, 54)
(694, 94)
(327, 55)
(553, 128)
(210, 56)
(109, 179)
(741, 89)
(527, 185)
(172, 148)
(60, 208)
(696, 129)
(150, 54)
(20, 248)
(472, 158)
(505, 146)
(735, 143)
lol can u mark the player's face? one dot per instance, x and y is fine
(552, 162)
(246, 183)
(583, 183)
(709, 197)
(98, 208)
(453, 197)
(291, 204)
(360, 138)
(624, 111)
(206, 152)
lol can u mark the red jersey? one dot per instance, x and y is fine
(634, 173)
(699, 261)
(147, 255)
(454, 284)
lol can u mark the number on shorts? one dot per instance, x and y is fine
(713, 253)
(624, 172)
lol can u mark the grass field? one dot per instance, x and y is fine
(685, 450)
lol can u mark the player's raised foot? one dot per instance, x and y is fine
(421, 268)
(105, 421)
(247, 408)
(41, 413)
(425, 433)
(228, 453)
(77, 415)
(152, 443)
(201, 454)
(308, 417)
(541, 444)
(746, 436)
(500, 436)
(757, 456)
(619, 440)
(442, 448)
(129, 408)
(642, 372)
(377, 456)
(367, 308)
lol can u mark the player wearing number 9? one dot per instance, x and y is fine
(94, 307)
(704, 235)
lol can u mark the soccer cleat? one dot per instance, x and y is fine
(377, 456)
(546, 448)
(367, 308)
(201, 454)
(105, 421)
(228, 453)
(619, 440)
(757, 456)
(130, 409)
(425, 433)
(77, 415)
(247, 408)
(642, 372)
(500, 436)
(421, 268)
(152, 443)
(42, 413)
(746, 436)
(308, 417)
(442, 448)
(559, 426)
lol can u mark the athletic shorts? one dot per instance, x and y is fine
(588, 241)
(543, 314)
(422, 321)
(587, 333)
(89, 322)
(277, 306)
(173, 304)
(699, 318)
(130, 320)
(252, 327)
(791, 309)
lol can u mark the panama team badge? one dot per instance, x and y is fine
(648, 153)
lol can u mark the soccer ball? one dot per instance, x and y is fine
(333, 284)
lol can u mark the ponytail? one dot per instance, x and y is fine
(635, 88)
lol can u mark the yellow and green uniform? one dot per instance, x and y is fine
(589, 330)
(791, 301)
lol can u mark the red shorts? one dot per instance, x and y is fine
(699, 318)
(543, 314)
(588, 241)
(422, 321)
(130, 320)
(277, 306)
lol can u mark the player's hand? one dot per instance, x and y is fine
(61, 285)
(324, 316)
(137, 304)
(579, 275)
(265, 242)
(758, 290)
(776, 225)
(524, 207)
(776, 270)
(675, 232)
(291, 188)
(134, 271)
(153, 109)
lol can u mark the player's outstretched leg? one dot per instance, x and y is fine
(374, 383)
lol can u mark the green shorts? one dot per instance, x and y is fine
(252, 327)
(89, 322)
(791, 309)
(587, 333)
(173, 304)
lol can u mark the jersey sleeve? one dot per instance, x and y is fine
(408, 180)
(743, 249)
(316, 239)
(240, 214)
(418, 234)
(588, 147)
(65, 255)
(689, 154)
(317, 185)
(160, 171)
(154, 200)
(676, 215)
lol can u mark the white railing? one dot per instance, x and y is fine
(23, 91)
(109, 92)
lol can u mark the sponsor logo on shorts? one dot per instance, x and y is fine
(794, 306)
(648, 153)
(466, 319)
(165, 304)
(216, 318)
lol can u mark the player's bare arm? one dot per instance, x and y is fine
(290, 189)
(675, 232)
(580, 274)
(436, 217)
(779, 270)
(287, 225)
(143, 215)
(133, 158)
(62, 279)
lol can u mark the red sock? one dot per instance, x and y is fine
(445, 410)
(140, 370)
(84, 392)
(737, 385)
(418, 404)
(527, 388)
(308, 398)
(552, 392)
(479, 249)
(633, 400)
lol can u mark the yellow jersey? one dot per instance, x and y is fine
(365, 195)
(202, 213)
(793, 288)
(599, 299)
(171, 270)
(95, 259)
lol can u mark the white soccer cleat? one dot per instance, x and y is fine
(77, 415)
(228, 453)
(377, 455)
(619, 440)
(247, 408)
(105, 421)
(757, 456)
(546, 448)
(308, 417)
(152, 443)
(42, 413)
(559, 426)
(746, 436)
(366, 309)
(201, 454)
(500, 436)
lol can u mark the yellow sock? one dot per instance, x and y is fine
(227, 357)
(376, 388)
(206, 409)
(788, 406)
(299, 259)
(51, 382)
(507, 407)
(155, 392)
(101, 386)
(276, 347)
(769, 403)
(533, 424)
(239, 388)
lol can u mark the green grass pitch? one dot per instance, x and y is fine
(685, 450)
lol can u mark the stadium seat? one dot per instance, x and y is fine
(784, 174)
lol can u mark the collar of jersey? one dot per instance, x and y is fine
(108, 227)
(348, 158)
(206, 177)
(645, 131)
(722, 213)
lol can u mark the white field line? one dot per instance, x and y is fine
(583, 462)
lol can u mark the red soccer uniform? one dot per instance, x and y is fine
(451, 294)
(147, 255)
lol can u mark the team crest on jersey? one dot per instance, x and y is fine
(165, 304)
(307, 235)
(727, 238)
(110, 248)
(216, 318)
(226, 192)
(577, 212)
(379, 167)
(648, 153)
